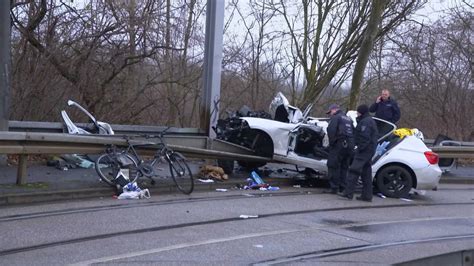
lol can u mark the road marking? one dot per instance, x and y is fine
(183, 245)
(246, 236)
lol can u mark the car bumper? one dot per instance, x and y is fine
(428, 177)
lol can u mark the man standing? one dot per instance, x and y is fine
(386, 108)
(365, 136)
(341, 146)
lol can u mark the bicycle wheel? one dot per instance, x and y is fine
(181, 173)
(108, 166)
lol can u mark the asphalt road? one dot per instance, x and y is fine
(289, 226)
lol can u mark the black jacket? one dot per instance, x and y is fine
(366, 134)
(386, 110)
(340, 127)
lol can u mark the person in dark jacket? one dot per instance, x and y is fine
(341, 145)
(365, 136)
(386, 108)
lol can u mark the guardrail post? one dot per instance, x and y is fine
(22, 172)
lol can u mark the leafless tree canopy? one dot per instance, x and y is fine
(431, 70)
(140, 61)
(124, 60)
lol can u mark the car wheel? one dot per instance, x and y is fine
(262, 144)
(394, 181)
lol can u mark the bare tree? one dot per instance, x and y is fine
(327, 36)
(253, 59)
(431, 69)
(110, 56)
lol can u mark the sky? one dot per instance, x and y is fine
(434, 9)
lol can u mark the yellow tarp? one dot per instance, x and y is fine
(403, 132)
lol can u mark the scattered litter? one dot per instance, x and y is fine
(405, 199)
(70, 161)
(248, 195)
(132, 191)
(245, 216)
(206, 180)
(256, 178)
(297, 186)
(213, 172)
(256, 182)
(122, 179)
(258, 246)
(131, 187)
(381, 195)
(142, 194)
(273, 188)
(221, 189)
(239, 186)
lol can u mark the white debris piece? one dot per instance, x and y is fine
(245, 216)
(206, 180)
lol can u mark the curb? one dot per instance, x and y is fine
(57, 195)
(102, 192)
(457, 180)
(71, 194)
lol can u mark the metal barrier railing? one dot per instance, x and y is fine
(57, 127)
(25, 143)
(48, 138)
(454, 151)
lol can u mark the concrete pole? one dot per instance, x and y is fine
(212, 65)
(4, 68)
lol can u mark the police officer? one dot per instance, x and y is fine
(341, 145)
(365, 135)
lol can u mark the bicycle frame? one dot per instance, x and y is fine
(180, 171)
(163, 152)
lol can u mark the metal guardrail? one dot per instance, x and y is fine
(452, 148)
(60, 143)
(430, 142)
(454, 151)
(47, 138)
(190, 141)
(57, 127)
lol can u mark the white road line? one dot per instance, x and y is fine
(183, 245)
(246, 236)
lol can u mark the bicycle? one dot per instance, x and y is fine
(128, 163)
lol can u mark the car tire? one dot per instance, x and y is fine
(394, 181)
(262, 144)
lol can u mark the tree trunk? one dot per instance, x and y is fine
(378, 6)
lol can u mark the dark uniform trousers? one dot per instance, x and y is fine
(361, 166)
(339, 159)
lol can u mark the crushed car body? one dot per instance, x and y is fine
(402, 162)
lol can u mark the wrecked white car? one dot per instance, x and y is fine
(292, 137)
